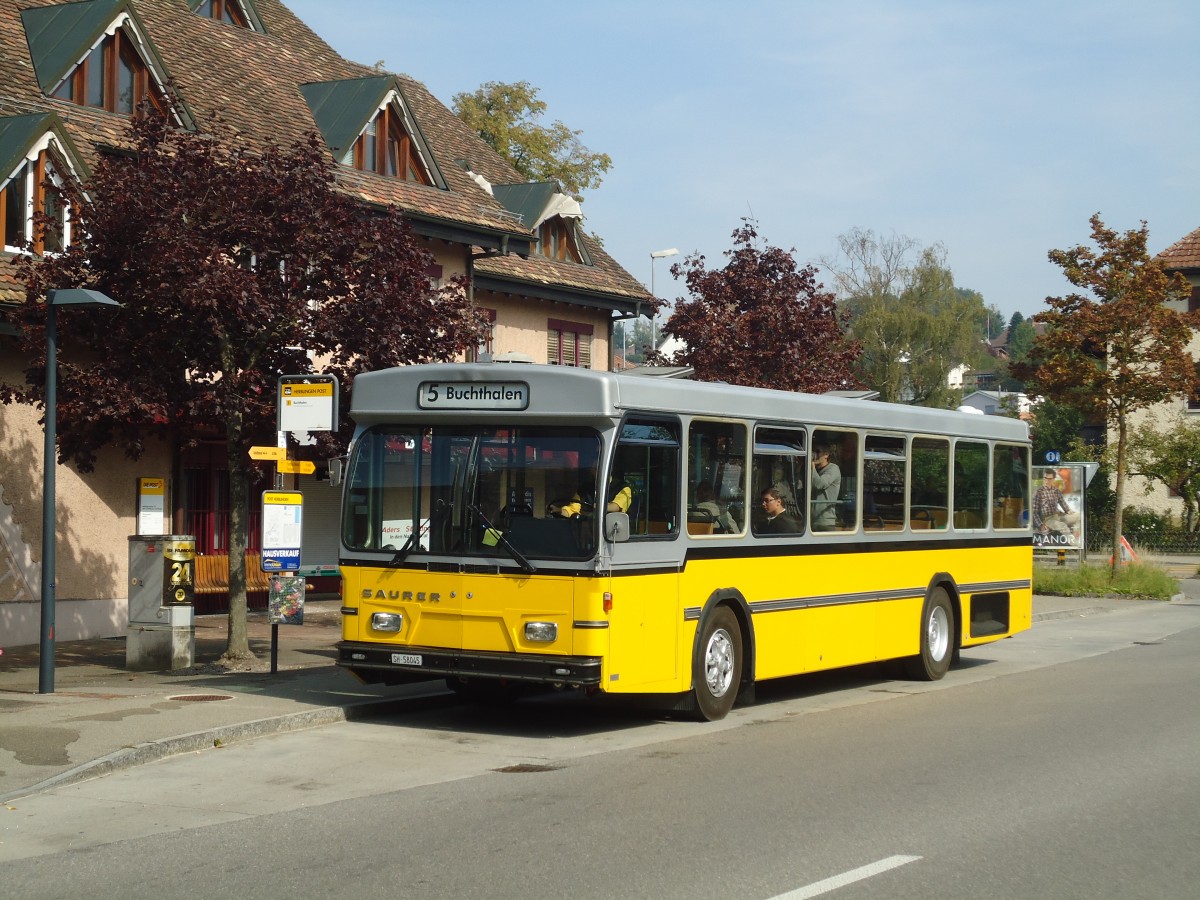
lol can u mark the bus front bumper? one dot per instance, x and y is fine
(375, 662)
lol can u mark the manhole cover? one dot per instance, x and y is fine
(201, 698)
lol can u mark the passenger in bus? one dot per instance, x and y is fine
(584, 501)
(706, 503)
(779, 520)
(826, 486)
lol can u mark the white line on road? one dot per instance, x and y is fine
(860, 874)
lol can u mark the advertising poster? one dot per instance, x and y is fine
(1057, 507)
(285, 600)
(152, 496)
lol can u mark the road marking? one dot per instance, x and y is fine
(837, 881)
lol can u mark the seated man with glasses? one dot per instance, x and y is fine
(779, 520)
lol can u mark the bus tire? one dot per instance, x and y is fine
(937, 638)
(717, 667)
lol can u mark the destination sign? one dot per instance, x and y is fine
(473, 395)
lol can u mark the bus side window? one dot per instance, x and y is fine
(781, 464)
(929, 486)
(647, 462)
(716, 477)
(833, 481)
(884, 483)
(970, 485)
(1010, 486)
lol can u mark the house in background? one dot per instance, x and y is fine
(1183, 257)
(999, 403)
(73, 75)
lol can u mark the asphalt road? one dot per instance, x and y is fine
(1059, 764)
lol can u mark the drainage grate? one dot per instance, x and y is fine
(201, 698)
(522, 768)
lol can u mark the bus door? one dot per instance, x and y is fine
(646, 617)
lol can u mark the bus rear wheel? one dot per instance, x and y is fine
(717, 668)
(937, 639)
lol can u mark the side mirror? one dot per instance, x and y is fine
(335, 472)
(616, 527)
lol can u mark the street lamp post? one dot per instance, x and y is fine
(54, 299)
(654, 257)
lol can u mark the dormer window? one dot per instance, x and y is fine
(556, 238)
(385, 147)
(228, 11)
(26, 193)
(112, 77)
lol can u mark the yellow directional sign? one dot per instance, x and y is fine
(296, 466)
(268, 452)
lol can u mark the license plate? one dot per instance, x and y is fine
(406, 659)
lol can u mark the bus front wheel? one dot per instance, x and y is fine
(937, 639)
(717, 668)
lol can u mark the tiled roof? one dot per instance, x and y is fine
(604, 276)
(10, 288)
(252, 81)
(1184, 253)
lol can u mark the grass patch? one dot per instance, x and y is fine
(1137, 580)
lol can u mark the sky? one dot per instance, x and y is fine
(995, 129)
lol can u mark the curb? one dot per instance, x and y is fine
(194, 742)
(1079, 612)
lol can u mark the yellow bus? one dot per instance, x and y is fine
(508, 525)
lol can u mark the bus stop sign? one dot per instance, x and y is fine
(282, 529)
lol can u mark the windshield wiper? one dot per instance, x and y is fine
(402, 553)
(503, 541)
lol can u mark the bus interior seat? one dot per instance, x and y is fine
(968, 518)
(700, 521)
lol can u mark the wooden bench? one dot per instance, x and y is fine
(212, 574)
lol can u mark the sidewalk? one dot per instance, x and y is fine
(102, 718)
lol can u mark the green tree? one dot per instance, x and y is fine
(1169, 456)
(912, 323)
(760, 321)
(1119, 347)
(1020, 342)
(232, 267)
(508, 117)
(635, 336)
(1055, 426)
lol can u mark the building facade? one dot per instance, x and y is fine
(72, 74)
(1182, 257)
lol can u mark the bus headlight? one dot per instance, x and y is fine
(383, 621)
(541, 632)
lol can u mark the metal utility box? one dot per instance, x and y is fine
(162, 628)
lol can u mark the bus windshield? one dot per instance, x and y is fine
(478, 490)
